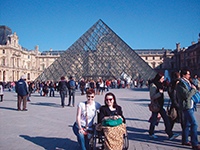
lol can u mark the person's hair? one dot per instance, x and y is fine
(90, 91)
(62, 78)
(111, 94)
(70, 77)
(176, 75)
(184, 72)
(158, 76)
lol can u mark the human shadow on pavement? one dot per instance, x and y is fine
(139, 89)
(9, 108)
(134, 100)
(142, 135)
(46, 104)
(56, 96)
(52, 143)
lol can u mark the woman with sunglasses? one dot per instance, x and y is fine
(112, 111)
(84, 119)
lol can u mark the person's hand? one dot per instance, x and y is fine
(116, 117)
(193, 86)
(161, 90)
(81, 131)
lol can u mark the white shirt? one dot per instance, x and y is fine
(91, 112)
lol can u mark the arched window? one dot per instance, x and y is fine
(3, 61)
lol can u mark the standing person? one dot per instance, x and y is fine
(22, 93)
(141, 83)
(72, 89)
(86, 113)
(185, 91)
(82, 86)
(101, 87)
(92, 85)
(51, 86)
(156, 93)
(97, 87)
(175, 103)
(195, 81)
(107, 84)
(62, 88)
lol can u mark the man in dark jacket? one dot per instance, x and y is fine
(22, 93)
(62, 87)
(185, 91)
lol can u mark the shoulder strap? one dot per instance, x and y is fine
(86, 115)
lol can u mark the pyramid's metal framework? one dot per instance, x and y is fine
(98, 53)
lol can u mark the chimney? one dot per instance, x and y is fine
(178, 47)
(193, 42)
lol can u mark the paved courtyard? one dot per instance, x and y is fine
(46, 125)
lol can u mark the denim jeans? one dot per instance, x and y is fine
(190, 122)
(82, 140)
(40, 91)
(71, 95)
(166, 122)
(51, 92)
(62, 96)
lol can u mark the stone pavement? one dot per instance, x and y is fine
(46, 125)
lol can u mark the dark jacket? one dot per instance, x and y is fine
(21, 88)
(105, 112)
(175, 102)
(62, 86)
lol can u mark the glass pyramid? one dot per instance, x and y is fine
(99, 52)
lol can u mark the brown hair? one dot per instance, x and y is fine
(90, 91)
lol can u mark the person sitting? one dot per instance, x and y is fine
(112, 111)
(86, 113)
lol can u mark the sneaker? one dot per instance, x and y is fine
(196, 147)
(187, 144)
(173, 136)
(153, 136)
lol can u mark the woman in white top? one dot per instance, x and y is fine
(84, 119)
(101, 86)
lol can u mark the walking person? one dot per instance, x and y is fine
(62, 88)
(72, 89)
(175, 103)
(185, 91)
(156, 93)
(22, 93)
(82, 86)
(51, 86)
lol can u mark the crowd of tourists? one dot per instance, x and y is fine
(183, 92)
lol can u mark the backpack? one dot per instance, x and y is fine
(71, 84)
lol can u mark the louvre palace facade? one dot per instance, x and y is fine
(99, 52)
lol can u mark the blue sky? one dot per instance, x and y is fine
(142, 24)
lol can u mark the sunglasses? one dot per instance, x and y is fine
(91, 96)
(110, 99)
